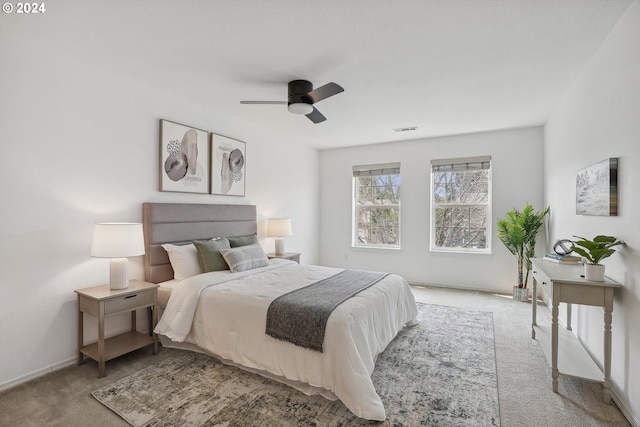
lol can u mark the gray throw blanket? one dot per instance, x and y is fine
(300, 316)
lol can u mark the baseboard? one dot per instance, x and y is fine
(60, 365)
(464, 288)
(36, 374)
(624, 409)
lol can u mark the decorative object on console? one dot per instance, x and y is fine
(597, 189)
(562, 250)
(118, 240)
(228, 166)
(563, 259)
(595, 251)
(184, 157)
(279, 228)
(518, 232)
(563, 246)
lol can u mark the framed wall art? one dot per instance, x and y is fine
(184, 158)
(228, 166)
(597, 189)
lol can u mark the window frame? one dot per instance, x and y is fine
(460, 164)
(373, 170)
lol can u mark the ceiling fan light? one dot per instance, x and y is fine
(300, 108)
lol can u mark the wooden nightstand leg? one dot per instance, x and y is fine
(150, 319)
(153, 320)
(80, 334)
(101, 346)
(134, 325)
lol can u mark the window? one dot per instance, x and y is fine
(376, 206)
(461, 204)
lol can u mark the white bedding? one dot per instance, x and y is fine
(225, 314)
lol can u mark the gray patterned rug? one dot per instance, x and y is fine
(439, 373)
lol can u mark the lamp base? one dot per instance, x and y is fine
(119, 273)
(279, 246)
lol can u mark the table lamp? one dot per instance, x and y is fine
(118, 241)
(279, 228)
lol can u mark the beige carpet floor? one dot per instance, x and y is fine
(63, 398)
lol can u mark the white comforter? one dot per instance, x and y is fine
(225, 314)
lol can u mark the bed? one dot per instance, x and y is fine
(224, 314)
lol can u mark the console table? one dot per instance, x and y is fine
(564, 283)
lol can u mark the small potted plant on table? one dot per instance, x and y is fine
(518, 232)
(593, 252)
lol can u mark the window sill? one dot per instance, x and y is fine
(384, 248)
(461, 251)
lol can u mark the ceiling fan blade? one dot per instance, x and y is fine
(316, 116)
(264, 102)
(323, 92)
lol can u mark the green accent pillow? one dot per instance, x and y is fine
(209, 253)
(251, 239)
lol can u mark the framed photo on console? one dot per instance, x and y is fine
(228, 166)
(184, 158)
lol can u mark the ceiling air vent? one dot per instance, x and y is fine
(407, 129)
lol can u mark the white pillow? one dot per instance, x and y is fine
(184, 260)
(244, 258)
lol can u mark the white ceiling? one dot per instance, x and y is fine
(445, 66)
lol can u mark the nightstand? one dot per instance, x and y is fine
(293, 256)
(101, 301)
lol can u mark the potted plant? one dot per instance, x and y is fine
(593, 252)
(518, 231)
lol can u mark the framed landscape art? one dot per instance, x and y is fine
(597, 189)
(228, 166)
(184, 158)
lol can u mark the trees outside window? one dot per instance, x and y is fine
(461, 204)
(376, 212)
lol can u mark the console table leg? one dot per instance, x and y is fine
(554, 344)
(534, 307)
(608, 308)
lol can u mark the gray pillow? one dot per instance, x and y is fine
(236, 241)
(245, 258)
(209, 253)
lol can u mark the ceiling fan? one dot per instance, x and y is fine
(302, 96)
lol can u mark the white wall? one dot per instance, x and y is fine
(517, 179)
(80, 146)
(597, 119)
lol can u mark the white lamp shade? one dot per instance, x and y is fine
(117, 240)
(279, 227)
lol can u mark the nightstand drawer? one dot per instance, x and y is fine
(129, 302)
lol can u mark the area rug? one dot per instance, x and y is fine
(441, 372)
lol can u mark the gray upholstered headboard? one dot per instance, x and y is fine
(181, 223)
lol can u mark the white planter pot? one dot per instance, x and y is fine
(594, 272)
